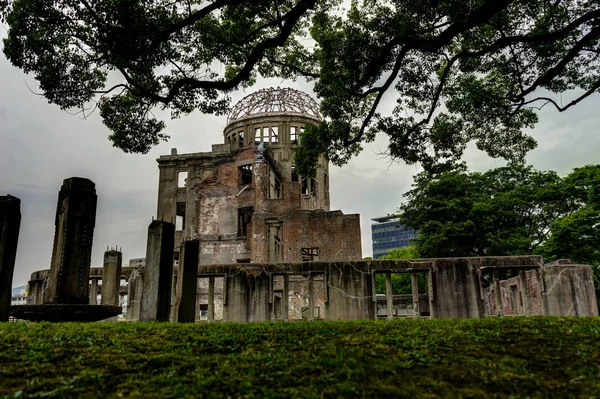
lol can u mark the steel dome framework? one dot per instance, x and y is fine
(275, 101)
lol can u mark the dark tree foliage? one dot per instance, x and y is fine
(512, 210)
(505, 211)
(460, 70)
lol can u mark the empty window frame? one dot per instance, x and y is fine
(274, 134)
(402, 294)
(294, 175)
(294, 134)
(266, 134)
(275, 242)
(274, 185)
(241, 138)
(182, 179)
(308, 186)
(257, 135)
(244, 219)
(180, 216)
(246, 174)
(310, 254)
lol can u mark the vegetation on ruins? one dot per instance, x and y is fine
(460, 71)
(492, 357)
(511, 210)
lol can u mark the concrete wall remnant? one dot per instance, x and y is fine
(71, 254)
(156, 294)
(456, 288)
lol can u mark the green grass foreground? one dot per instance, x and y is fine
(509, 357)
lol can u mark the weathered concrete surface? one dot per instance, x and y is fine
(111, 278)
(94, 291)
(569, 291)
(10, 223)
(187, 282)
(156, 295)
(71, 254)
(135, 288)
(454, 288)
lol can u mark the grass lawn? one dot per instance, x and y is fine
(503, 357)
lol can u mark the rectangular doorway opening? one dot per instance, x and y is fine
(210, 298)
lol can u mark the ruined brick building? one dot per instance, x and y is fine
(245, 202)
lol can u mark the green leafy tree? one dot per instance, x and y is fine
(505, 211)
(460, 70)
(576, 236)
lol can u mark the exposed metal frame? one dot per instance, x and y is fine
(275, 101)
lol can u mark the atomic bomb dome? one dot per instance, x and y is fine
(275, 101)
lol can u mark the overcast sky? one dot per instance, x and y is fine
(40, 145)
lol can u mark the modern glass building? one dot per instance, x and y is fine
(387, 233)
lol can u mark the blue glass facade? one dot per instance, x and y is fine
(388, 234)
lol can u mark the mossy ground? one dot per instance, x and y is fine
(509, 357)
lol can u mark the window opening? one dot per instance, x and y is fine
(246, 174)
(182, 179)
(403, 294)
(244, 219)
(274, 133)
(241, 138)
(294, 134)
(274, 238)
(209, 301)
(294, 174)
(180, 216)
(274, 185)
(257, 135)
(310, 254)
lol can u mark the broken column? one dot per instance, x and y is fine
(10, 223)
(111, 278)
(187, 282)
(134, 295)
(72, 250)
(156, 295)
(94, 292)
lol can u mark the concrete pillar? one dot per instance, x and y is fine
(211, 299)
(111, 278)
(32, 291)
(94, 291)
(156, 295)
(72, 251)
(524, 292)
(187, 283)
(497, 292)
(134, 295)
(415, 292)
(10, 223)
(311, 297)
(286, 297)
(389, 295)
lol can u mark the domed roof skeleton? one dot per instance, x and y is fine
(275, 101)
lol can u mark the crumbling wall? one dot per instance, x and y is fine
(569, 291)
